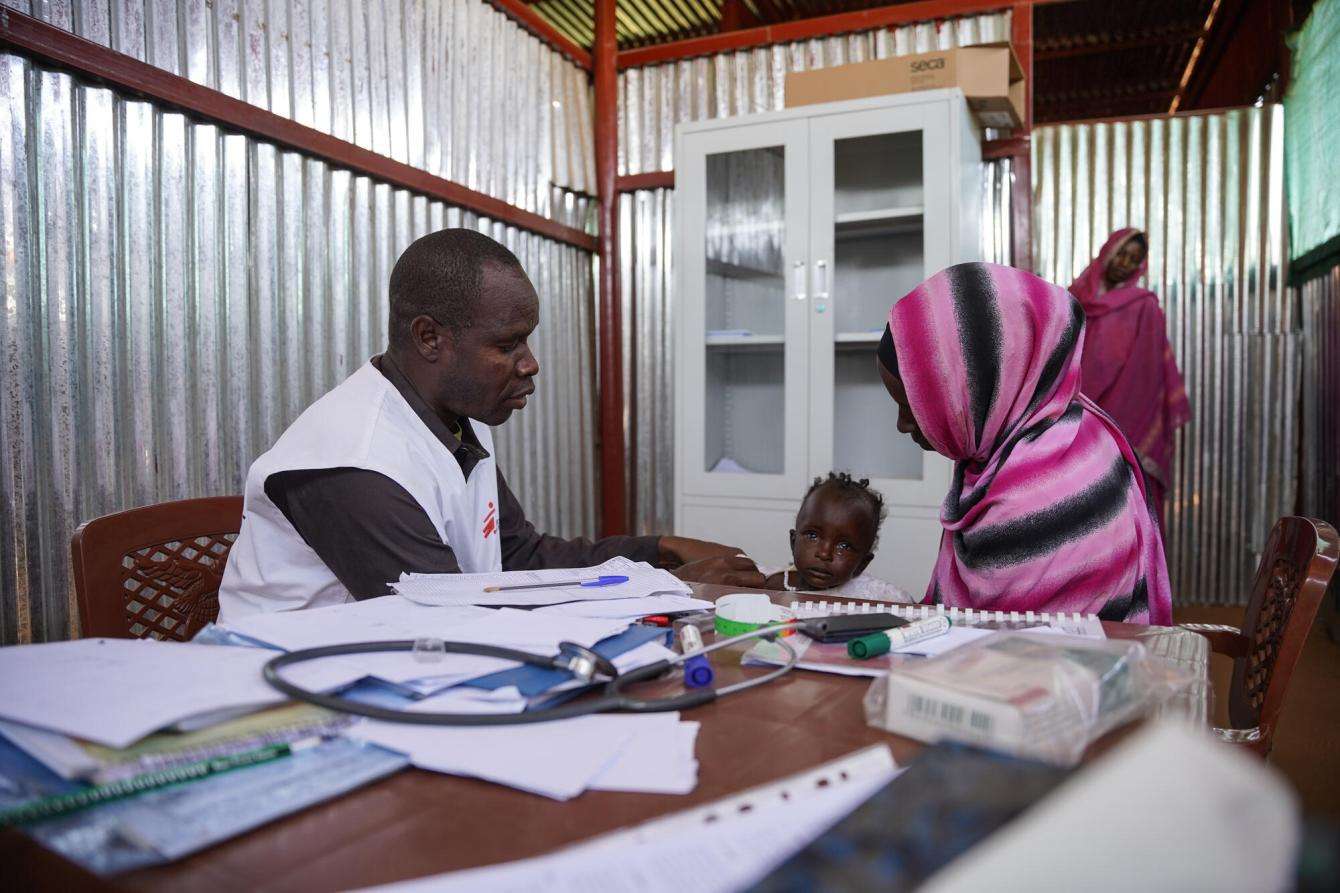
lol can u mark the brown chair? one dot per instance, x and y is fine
(154, 572)
(1297, 567)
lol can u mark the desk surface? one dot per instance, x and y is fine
(419, 823)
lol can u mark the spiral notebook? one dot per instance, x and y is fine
(1076, 624)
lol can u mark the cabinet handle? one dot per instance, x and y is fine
(820, 284)
(798, 271)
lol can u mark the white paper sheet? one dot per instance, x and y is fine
(394, 618)
(677, 853)
(554, 759)
(468, 589)
(116, 691)
(957, 637)
(628, 608)
(366, 621)
(656, 761)
(464, 699)
(832, 658)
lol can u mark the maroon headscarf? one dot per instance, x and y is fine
(1128, 366)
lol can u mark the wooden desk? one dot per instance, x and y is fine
(420, 823)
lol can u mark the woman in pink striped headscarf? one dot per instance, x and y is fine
(1048, 509)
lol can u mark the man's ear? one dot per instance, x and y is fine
(865, 563)
(429, 338)
(793, 542)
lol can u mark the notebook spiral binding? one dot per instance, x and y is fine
(964, 616)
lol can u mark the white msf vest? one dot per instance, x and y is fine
(362, 423)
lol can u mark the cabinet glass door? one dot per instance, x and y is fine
(880, 195)
(743, 328)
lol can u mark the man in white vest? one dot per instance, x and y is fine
(393, 470)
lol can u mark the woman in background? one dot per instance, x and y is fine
(1128, 366)
(1047, 510)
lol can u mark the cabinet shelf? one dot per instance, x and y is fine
(852, 340)
(880, 222)
(745, 342)
(739, 271)
(879, 214)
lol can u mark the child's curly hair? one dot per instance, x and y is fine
(852, 488)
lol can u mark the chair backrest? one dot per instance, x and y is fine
(154, 572)
(1296, 569)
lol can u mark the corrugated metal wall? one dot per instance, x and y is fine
(172, 296)
(1209, 191)
(652, 100)
(453, 87)
(1320, 299)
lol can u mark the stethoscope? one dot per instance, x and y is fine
(584, 664)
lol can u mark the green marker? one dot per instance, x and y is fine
(869, 646)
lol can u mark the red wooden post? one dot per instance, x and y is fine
(613, 509)
(1021, 189)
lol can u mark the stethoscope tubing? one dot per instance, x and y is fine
(612, 699)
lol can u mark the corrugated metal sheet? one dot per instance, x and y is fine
(646, 281)
(453, 87)
(644, 22)
(1320, 298)
(1209, 191)
(172, 296)
(652, 101)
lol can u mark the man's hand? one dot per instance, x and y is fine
(735, 570)
(680, 550)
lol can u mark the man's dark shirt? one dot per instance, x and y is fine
(368, 529)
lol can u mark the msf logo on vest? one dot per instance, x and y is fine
(490, 521)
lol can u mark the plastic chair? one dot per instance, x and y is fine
(154, 572)
(1296, 568)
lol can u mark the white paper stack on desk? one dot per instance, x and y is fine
(651, 753)
(392, 617)
(116, 692)
(469, 589)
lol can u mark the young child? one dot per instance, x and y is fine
(837, 528)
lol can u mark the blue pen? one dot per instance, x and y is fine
(612, 580)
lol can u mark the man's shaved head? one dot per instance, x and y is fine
(442, 275)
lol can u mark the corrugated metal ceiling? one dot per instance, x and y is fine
(1093, 58)
(642, 22)
(1098, 59)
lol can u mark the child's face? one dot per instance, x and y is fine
(833, 539)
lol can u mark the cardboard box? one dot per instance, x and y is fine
(989, 76)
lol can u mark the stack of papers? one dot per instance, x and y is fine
(116, 691)
(393, 618)
(458, 590)
(631, 752)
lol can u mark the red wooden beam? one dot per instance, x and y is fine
(652, 180)
(609, 372)
(822, 26)
(1021, 187)
(529, 19)
(1006, 147)
(54, 46)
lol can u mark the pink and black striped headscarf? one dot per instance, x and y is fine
(1048, 510)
